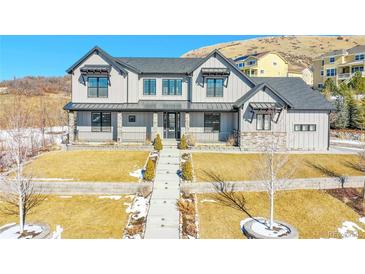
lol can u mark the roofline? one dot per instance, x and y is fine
(229, 62)
(100, 52)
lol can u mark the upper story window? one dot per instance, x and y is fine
(322, 63)
(149, 87)
(263, 122)
(359, 57)
(321, 72)
(171, 86)
(101, 121)
(215, 87)
(241, 65)
(331, 72)
(355, 69)
(97, 87)
(251, 62)
(212, 122)
(332, 59)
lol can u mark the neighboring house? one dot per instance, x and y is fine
(265, 64)
(4, 90)
(305, 73)
(210, 99)
(340, 65)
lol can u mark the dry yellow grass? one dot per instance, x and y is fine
(314, 213)
(237, 167)
(98, 166)
(81, 217)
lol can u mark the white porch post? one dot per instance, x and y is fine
(187, 123)
(119, 126)
(155, 125)
(72, 126)
(240, 126)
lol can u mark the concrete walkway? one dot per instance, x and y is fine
(163, 216)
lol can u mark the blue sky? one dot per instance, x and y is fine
(52, 55)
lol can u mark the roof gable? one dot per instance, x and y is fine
(102, 54)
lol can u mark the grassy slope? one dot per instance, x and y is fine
(236, 167)
(81, 217)
(298, 50)
(104, 166)
(314, 213)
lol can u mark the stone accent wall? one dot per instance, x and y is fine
(251, 141)
(72, 126)
(119, 126)
(187, 122)
(155, 126)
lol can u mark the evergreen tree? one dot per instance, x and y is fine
(357, 83)
(157, 144)
(353, 112)
(340, 119)
(361, 120)
(329, 88)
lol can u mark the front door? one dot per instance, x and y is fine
(171, 127)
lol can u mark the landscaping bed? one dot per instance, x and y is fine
(89, 166)
(314, 213)
(81, 217)
(353, 197)
(240, 167)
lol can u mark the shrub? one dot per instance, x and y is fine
(191, 140)
(187, 171)
(183, 143)
(150, 171)
(157, 143)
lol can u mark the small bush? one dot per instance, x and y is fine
(183, 143)
(150, 171)
(187, 171)
(157, 143)
(186, 207)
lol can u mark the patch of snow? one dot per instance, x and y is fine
(154, 154)
(208, 201)
(14, 232)
(138, 173)
(65, 197)
(7, 225)
(262, 228)
(138, 208)
(113, 197)
(349, 230)
(347, 141)
(57, 234)
(362, 220)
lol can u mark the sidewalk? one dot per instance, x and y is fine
(163, 215)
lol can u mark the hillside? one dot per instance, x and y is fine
(299, 51)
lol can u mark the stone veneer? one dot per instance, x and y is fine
(251, 141)
(72, 126)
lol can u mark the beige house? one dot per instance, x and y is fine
(340, 65)
(265, 64)
(305, 73)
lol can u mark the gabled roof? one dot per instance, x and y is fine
(159, 65)
(356, 49)
(229, 61)
(297, 92)
(101, 53)
(253, 91)
(259, 55)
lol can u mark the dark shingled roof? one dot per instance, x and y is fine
(297, 92)
(160, 65)
(357, 49)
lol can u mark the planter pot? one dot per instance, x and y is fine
(254, 230)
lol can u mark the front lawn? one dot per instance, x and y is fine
(81, 217)
(239, 167)
(314, 213)
(98, 166)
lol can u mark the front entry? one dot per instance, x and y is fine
(171, 125)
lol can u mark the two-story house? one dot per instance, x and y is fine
(340, 65)
(133, 99)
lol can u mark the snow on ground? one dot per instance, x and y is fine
(138, 208)
(113, 197)
(347, 141)
(138, 173)
(262, 228)
(362, 220)
(349, 230)
(57, 233)
(208, 201)
(13, 232)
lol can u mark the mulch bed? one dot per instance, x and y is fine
(353, 197)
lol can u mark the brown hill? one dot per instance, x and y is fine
(299, 51)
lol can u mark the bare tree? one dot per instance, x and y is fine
(18, 150)
(272, 169)
(43, 119)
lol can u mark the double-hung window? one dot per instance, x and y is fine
(149, 87)
(331, 72)
(263, 122)
(251, 62)
(332, 59)
(359, 57)
(212, 122)
(172, 87)
(97, 87)
(215, 87)
(101, 121)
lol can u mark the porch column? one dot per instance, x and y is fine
(119, 126)
(240, 126)
(187, 122)
(72, 126)
(155, 125)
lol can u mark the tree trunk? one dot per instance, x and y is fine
(271, 207)
(21, 214)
